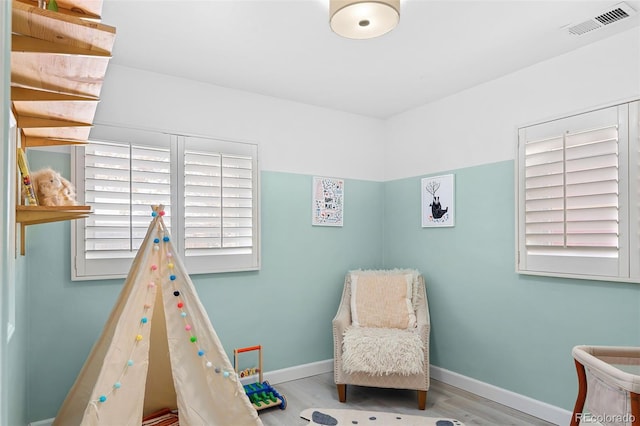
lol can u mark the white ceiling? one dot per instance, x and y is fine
(286, 49)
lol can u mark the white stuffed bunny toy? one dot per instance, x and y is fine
(52, 189)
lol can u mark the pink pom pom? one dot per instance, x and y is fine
(154, 267)
(162, 213)
(187, 327)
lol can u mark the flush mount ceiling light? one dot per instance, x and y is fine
(364, 19)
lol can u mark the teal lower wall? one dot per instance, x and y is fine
(287, 306)
(489, 323)
(17, 350)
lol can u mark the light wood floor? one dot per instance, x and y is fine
(442, 401)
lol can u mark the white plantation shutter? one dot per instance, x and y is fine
(209, 189)
(574, 195)
(120, 173)
(121, 182)
(219, 203)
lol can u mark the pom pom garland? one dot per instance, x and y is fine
(173, 281)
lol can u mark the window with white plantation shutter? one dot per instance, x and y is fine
(219, 201)
(577, 188)
(209, 189)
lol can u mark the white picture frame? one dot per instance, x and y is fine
(327, 201)
(438, 201)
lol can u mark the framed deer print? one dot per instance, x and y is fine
(438, 201)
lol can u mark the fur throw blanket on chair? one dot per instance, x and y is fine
(382, 351)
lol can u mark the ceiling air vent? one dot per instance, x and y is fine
(612, 16)
(616, 13)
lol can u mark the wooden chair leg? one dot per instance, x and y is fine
(635, 408)
(582, 394)
(342, 392)
(422, 399)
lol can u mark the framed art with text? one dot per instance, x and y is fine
(328, 201)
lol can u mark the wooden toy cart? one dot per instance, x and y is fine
(261, 394)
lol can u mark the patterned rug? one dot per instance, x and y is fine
(339, 417)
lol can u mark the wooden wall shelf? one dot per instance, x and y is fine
(58, 65)
(33, 215)
(87, 9)
(61, 28)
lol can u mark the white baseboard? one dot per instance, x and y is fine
(274, 377)
(513, 400)
(47, 422)
(531, 406)
(294, 373)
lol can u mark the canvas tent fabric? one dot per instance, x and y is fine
(158, 350)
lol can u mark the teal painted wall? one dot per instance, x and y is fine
(17, 351)
(489, 323)
(287, 306)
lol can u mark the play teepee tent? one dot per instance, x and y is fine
(158, 350)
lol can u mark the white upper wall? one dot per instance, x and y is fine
(479, 125)
(473, 127)
(292, 137)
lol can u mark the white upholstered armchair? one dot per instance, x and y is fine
(381, 332)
